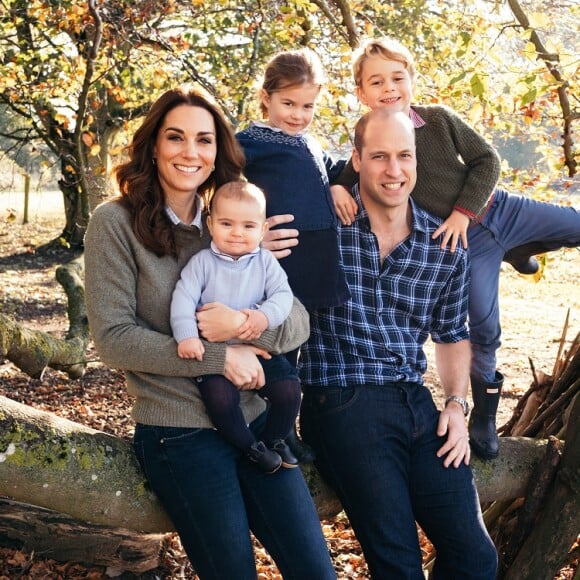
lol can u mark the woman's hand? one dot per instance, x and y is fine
(243, 368)
(280, 241)
(219, 323)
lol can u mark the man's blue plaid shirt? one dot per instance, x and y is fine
(378, 335)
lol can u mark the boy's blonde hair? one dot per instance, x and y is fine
(240, 191)
(387, 48)
(289, 69)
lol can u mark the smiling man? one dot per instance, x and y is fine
(391, 456)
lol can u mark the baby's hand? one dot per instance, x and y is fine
(344, 204)
(191, 348)
(255, 324)
(454, 228)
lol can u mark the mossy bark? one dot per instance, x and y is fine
(94, 477)
(32, 351)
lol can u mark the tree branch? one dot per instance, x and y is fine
(549, 60)
(33, 351)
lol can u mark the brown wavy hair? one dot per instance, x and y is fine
(289, 69)
(141, 192)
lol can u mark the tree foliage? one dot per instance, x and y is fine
(75, 73)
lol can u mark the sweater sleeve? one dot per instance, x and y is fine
(125, 340)
(333, 167)
(278, 302)
(348, 177)
(482, 161)
(185, 299)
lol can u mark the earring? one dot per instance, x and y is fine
(154, 159)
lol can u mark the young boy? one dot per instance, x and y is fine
(457, 173)
(238, 273)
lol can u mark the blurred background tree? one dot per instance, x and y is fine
(75, 75)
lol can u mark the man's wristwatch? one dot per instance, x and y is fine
(464, 404)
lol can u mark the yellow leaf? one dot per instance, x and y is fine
(475, 113)
(530, 51)
(539, 19)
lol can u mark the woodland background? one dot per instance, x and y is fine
(75, 78)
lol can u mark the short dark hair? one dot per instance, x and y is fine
(361, 126)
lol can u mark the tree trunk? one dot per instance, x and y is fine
(33, 351)
(72, 469)
(94, 477)
(62, 538)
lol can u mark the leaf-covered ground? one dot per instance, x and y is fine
(533, 315)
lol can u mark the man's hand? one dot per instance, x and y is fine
(280, 241)
(453, 229)
(191, 348)
(255, 324)
(456, 448)
(344, 204)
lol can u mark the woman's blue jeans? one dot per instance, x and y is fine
(376, 446)
(511, 221)
(215, 496)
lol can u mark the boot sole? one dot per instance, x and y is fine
(483, 453)
(289, 465)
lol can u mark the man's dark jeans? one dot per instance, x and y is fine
(376, 446)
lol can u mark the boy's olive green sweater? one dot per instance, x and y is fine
(128, 295)
(456, 167)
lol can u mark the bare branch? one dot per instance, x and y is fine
(83, 99)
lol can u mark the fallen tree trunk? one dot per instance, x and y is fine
(72, 469)
(32, 351)
(60, 537)
(94, 477)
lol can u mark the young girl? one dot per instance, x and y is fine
(294, 172)
(457, 173)
(290, 166)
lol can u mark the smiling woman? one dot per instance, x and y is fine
(135, 249)
(185, 151)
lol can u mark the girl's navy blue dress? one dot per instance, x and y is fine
(295, 174)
